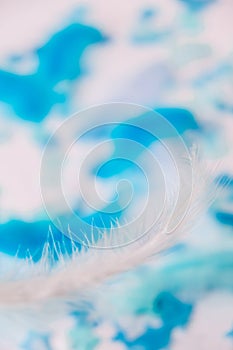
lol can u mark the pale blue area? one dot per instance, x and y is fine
(199, 272)
(157, 293)
(37, 341)
(220, 71)
(82, 335)
(224, 106)
(148, 13)
(146, 31)
(189, 272)
(148, 36)
(32, 96)
(230, 334)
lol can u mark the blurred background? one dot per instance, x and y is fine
(173, 56)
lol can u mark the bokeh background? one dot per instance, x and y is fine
(174, 56)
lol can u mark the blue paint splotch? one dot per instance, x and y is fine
(32, 96)
(223, 209)
(152, 339)
(196, 5)
(172, 312)
(224, 218)
(21, 238)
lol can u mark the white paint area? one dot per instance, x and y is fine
(211, 320)
(19, 176)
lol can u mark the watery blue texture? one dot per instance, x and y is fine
(32, 236)
(181, 119)
(172, 312)
(32, 96)
(18, 237)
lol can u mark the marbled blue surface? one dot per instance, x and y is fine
(174, 59)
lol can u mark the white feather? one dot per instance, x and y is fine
(84, 270)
